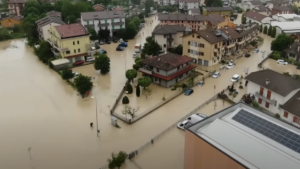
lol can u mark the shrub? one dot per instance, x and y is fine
(255, 104)
(277, 115)
(129, 88)
(125, 100)
(276, 55)
(241, 87)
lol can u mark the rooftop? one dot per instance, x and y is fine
(256, 3)
(18, 18)
(215, 19)
(287, 26)
(53, 14)
(293, 104)
(71, 30)
(168, 29)
(255, 16)
(293, 48)
(251, 137)
(282, 8)
(195, 11)
(260, 8)
(48, 20)
(279, 83)
(211, 9)
(102, 15)
(181, 17)
(167, 61)
(285, 16)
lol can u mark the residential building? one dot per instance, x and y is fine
(208, 46)
(167, 2)
(217, 21)
(274, 90)
(111, 20)
(167, 69)
(262, 10)
(196, 22)
(134, 12)
(223, 11)
(241, 137)
(245, 5)
(168, 36)
(282, 10)
(99, 7)
(297, 3)
(273, 3)
(286, 17)
(293, 52)
(188, 4)
(194, 11)
(285, 27)
(43, 25)
(16, 7)
(11, 21)
(71, 41)
(255, 17)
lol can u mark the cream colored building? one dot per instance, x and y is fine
(207, 47)
(71, 41)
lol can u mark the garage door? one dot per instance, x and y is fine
(200, 61)
(205, 63)
(71, 60)
(78, 58)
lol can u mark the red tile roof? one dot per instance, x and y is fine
(71, 30)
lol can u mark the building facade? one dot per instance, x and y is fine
(11, 21)
(167, 69)
(16, 7)
(275, 92)
(167, 2)
(71, 41)
(223, 11)
(188, 4)
(254, 17)
(168, 36)
(217, 22)
(282, 10)
(207, 47)
(293, 52)
(111, 20)
(237, 137)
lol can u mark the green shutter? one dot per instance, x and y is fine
(87, 22)
(105, 21)
(112, 20)
(113, 27)
(121, 26)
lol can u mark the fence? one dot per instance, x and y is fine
(260, 64)
(117, 101)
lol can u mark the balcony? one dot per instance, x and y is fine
(241, 42)
(170, 39)
(247, 39)
(216, 49)
(55, 52)
(145, 71)
(230, 45)
(59, 48)
(91, 52)
(89, 45)
(89, 26)
(118, 23)
(257, 94)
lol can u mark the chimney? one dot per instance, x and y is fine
(267, 81)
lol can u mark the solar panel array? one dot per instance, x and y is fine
(268, 129)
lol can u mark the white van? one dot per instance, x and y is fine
(137, 48)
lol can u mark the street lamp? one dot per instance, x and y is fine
(96, 114)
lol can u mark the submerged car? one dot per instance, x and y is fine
(230, 65)
(119, 48)
(280, 61)
(90, 59)
(256, 51)
(216, 75)
(247, 55)
(188, 92)
(201, 83)
(102, 51)
(123, 44)
(235, 78)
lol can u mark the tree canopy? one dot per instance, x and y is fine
(83, 84)
(282, 42)
(131, 74)
(148, 5)
(102, 63)
(144, 81)
(67, 74)
(213, 3)
(117, 160)
(151, 47)
(44, 52)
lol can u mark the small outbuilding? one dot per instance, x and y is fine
(60, 64)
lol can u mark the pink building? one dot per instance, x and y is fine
(16, 7)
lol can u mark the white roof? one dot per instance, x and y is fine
(285, 16)
(285, 26)
(60, 62)
(249, 147)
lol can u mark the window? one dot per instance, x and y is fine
(113, 27)
(112, 20)
(193, 36)
(201, 53)
(285, 114)
(164, 45)
(78, 50)
(259, 101)
(73, 42)
(157, 70)
(198, 37)
(68, 52)
(269, 94)
(189, 50)
(201, 45)
(164, 36)
(295, 119)
(87, 22)
(121, 26)
(267, 104)
(189, 42)
(261, 92)
(78, 42)
(74, 50)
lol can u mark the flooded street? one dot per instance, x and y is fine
(39, 110)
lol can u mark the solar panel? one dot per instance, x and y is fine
(281, 135)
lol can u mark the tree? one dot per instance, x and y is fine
(213, 3)
(248, 98)
(29, 26)
(130, 111)
(131, 74)
(148, 5)
(138, 91)
(131, 30)
(274, 32)
(104, 2)
(67, 74)
(265, 30)
(151, 47)
(93, 34)
(136, 2)
(117, 160)
(44, 52)
(178, 49)
(295, 9)
(270, 30)
(261, 28)
(83, 84)
(125, 100)
(4, 34)
(144, 81)
(58, 5)
(129, 89)
(244, 20)
(102, 63)
(282, 42)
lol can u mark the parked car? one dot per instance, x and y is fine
(102, 51)
(108, 42)
(97, 46)
(75, 74)
(134, 55)
(201, 83)
(216, 75)
(123, 44)
(78, 62)
(235, 78)
(194, 118)
(247, 55)
(121, 40)
(90, 59)
(188, 92)
(101, 43)
(230, 65)
(181, 125)
(115, 40)
(280, 61)
(256, 51)
(119, 48)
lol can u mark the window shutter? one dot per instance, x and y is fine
(189, 43)
(295, 119)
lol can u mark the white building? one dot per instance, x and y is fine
(286, 17)
(111, 20)
(168, 36)
(53, 18)
(285, 27)
(167, 2)
(249, 4)
(189, 4)
(276, 93)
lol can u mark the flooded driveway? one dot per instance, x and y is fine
(39, 110)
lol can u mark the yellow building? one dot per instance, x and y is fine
(207, 47)
(71, 41)
(11, 21)
(223, 11)
(297, 3)
(217, 21)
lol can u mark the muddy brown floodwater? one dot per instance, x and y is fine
(39, 110)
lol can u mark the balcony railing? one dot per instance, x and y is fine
(59, 48)
(216, 49)
(241, 42)
(230, 45)
(261, 96)
(170, 39)
(247, 39)
(145, 71)
(89, 45)
(55, 52)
